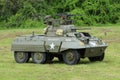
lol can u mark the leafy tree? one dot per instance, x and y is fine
(16, 13)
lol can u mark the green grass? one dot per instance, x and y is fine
(109, 69)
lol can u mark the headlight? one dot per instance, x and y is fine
(92, 43)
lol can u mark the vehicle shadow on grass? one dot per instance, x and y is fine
(62, 62)
(81, 62)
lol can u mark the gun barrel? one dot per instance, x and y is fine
(82, 29)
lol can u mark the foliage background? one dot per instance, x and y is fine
(28, 13)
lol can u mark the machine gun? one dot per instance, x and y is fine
(67, 15)
(82, 28)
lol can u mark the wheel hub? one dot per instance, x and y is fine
(38, 56)
(70, 56)
(21, 55)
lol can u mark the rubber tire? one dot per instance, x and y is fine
(42, 61)
(17, 59)
(74, 53)
(97, 58)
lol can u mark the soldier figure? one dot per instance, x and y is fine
(48, 21)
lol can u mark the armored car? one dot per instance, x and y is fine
(61, 39)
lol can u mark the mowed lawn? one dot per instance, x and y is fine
(109, 69)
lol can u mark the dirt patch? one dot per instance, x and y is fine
(111, 41)
(10, 35)
(106, 30)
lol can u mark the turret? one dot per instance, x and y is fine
(60, 27)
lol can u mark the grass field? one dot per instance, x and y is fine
(109, 69)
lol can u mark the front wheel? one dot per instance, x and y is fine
(97, 58)
(38, 57)
(71, 57)
(21, 57)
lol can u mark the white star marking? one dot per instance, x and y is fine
(52, 46)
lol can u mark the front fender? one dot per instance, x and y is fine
(71, 45)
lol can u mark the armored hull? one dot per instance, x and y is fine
(86, 46)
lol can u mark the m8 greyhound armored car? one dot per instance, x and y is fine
(61, 40)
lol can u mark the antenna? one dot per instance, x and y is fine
(33, 34)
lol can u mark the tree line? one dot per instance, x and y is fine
(28, 13)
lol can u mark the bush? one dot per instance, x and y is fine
(27, 13)
(15, 21)
(29, 23)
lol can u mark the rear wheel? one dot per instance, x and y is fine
(71, 57)
(38, 57)
(21, 57)
(97, 58)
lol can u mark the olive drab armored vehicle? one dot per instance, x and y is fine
(61, 40)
